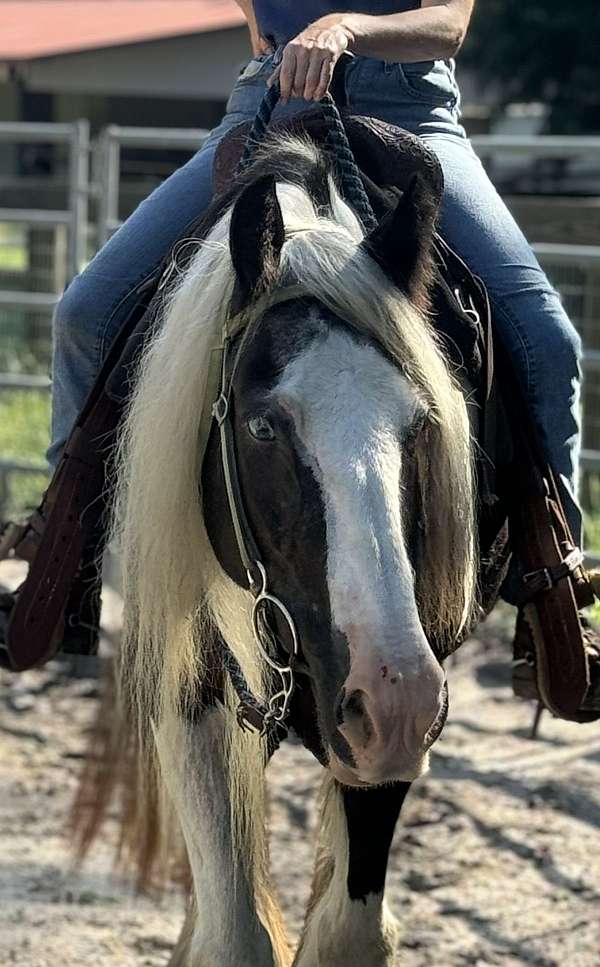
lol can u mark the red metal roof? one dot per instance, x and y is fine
(43, 28)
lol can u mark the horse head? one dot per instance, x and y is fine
(341, 454)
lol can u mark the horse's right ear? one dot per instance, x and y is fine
(256, 237)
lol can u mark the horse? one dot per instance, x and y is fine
(355, 464)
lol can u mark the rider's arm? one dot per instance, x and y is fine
(435, 30)
(259, 44)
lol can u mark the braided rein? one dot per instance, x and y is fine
(336, 143)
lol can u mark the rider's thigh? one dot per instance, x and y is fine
(97, 300)
(479, 226)
(528, 313)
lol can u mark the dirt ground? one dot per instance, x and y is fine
(496, 860)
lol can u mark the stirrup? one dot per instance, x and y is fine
(534, 679)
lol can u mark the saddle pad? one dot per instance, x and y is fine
(388, 155)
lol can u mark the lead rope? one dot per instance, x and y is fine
(337, 144)
(259, 125)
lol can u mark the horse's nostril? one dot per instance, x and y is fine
(354, 705)
(354, 717)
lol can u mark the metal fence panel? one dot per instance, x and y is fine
(574, 269)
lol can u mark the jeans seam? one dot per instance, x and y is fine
(100, 345)
(498, 305)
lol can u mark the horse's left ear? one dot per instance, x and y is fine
(401, 243)
(256, 237)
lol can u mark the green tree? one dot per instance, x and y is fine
(541, 50)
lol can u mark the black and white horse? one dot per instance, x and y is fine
(355, 463)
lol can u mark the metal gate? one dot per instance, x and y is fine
(42, 246)
(575, 270)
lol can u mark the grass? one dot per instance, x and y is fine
(13, 250)
(24, 417)
(24, 437)
(12, 258)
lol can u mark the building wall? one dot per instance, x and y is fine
(200, 66)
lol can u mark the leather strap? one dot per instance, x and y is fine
(553, 570)
(71, 513)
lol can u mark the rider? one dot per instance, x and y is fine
(402, 72)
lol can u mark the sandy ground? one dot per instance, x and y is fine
(496, 860)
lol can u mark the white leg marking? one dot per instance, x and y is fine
(342, 932)
(227, 930)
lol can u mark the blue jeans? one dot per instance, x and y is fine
(424, 99)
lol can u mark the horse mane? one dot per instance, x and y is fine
(175, 592)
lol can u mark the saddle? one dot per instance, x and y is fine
(65, 538)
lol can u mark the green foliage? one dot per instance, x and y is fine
(541, 50)
(13, 253)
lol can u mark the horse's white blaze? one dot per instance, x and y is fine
(350, 407)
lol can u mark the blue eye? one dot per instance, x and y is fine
(260, 428)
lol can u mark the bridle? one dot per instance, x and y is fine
(269, 720)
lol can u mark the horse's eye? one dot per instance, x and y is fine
(260, 428)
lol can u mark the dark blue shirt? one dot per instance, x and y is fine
(283, 19)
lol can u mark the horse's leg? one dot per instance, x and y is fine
(348, 923)
(181, 953)
(226, 928)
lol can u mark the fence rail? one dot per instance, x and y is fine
(112, 139)
(76, 137)
(561, 147)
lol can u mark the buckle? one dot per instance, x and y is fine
(250, 719)
(540, 580)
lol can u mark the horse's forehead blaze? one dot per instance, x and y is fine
(350, 407)
(339, 387)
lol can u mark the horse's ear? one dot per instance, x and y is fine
(401, 243)
(256, 237)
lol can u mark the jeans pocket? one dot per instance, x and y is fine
(254, 67)
(429, 81)
(250, 85)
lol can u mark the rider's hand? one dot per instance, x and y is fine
(308, 60)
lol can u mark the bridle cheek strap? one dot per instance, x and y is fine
(246, 544)
(251, 713)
